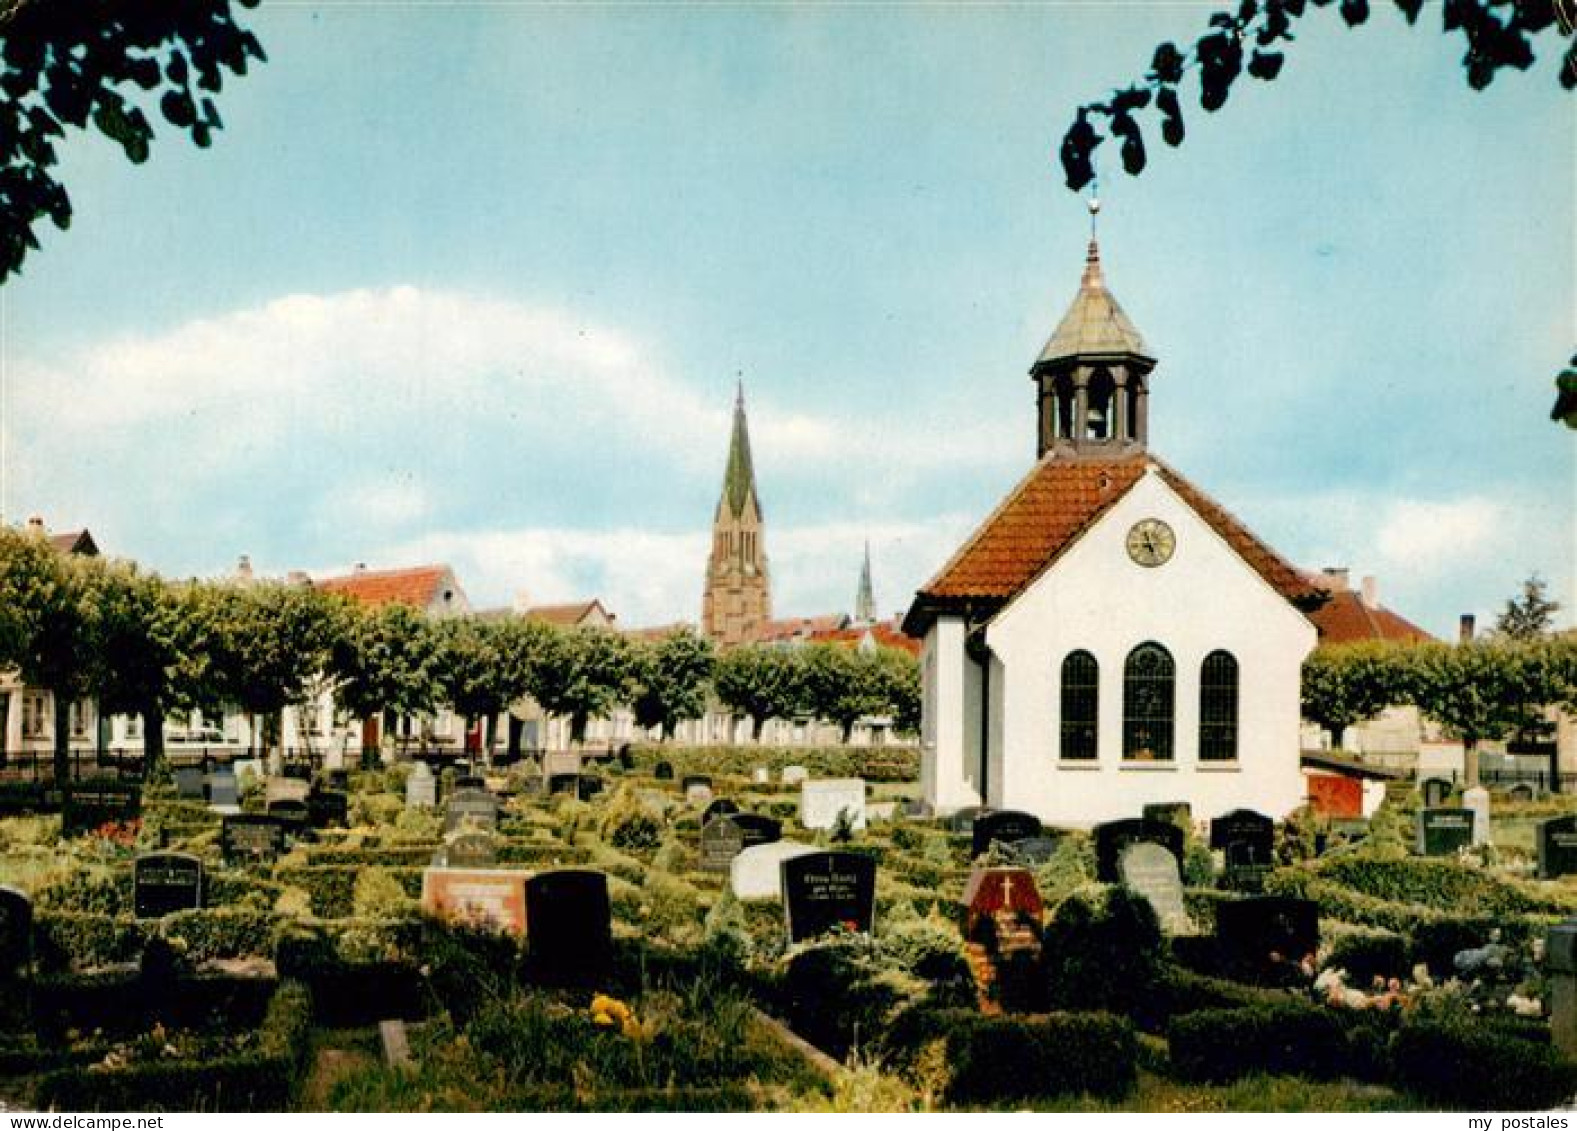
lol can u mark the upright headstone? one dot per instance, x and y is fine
(1111, 837)
(250, 838)
(560, 762)
(293, 814)
(757, 829)
(564, 783)
(721, 807)
(990, 892)
(761, 776)
(828, 891)
(1442, 831)
(587, 786)
(421, 788)
(471, 808)
(493, 897)
(1520, 794)
(16, 931)
(91, 804)
(1034, 850)
(793, 775)
(1435, 791)
(470, 781)
(917, 810)
(189, 783)
(328, 808)
(963, 820)
(224, 790)
(1560, 964)
(337, 779)
(300, 771)
(1477, 800)
(1261, 933)
(285, 789)
(1151, 870)
(663, 771)
(821, 802)
(1558, 848)
(697, 789)
(721, 841)
(166, 882)
(571, 932)
(1005, 825)
(1247, 841)
(757, 873)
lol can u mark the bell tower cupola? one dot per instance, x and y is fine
(1092, 378)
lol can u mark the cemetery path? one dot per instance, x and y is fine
(329, 1067)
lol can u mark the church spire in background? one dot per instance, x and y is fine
(737, 603)
(865, 596)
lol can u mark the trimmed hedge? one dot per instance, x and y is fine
(65, 940)
(1441, 884)
(991, 1059)
(1481, 1067)
(332, 887)
(873, 763)
(125, 1003)
(1218, 1045)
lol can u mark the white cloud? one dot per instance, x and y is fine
(379, 504)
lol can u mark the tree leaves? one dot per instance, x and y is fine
(1266, 65)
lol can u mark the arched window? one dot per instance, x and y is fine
(1218, 708)
(1099, 424)
(1149, 686)
(1080, 706)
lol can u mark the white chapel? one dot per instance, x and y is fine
(1110, 636)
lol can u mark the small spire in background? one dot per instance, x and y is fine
(1092, 258)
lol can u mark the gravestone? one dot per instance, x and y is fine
(88, 805)
(663, 771)
(166, 882)
(328, 808)
(293, 814)
(920, 810)
(471, 808)
(1435, 791)
(963, 820)
(421, 788)
(470, 781)
(564, 783)
(793, 775)
(757, 872)
(1005, 825)
(224, 790)
(697, 789)
(16, 931)
(1442, 831)
(1558, 848)
(721, 841)
(1260, 933)
(494, 897)
(587, 786)
(757, 829)
(990, 892)
(1179, 813)
(1520, 794)
(571, 933)
(722, 807)
(827, 891)
(1477, 799)
(1034, 850)
(249, 838)
(248, 768)
(560, 762)
(820, 802)
(299, 771)
(470, 850)
(1111, 837)
(1151, 870)
(761, 776)
(189, 783)
(337, 779)
(285, 789)
(1247, 841)
(1560, 964)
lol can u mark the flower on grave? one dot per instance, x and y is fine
(610, 1013)
(1525, 1006)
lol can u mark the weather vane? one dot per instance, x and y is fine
(1094, 206)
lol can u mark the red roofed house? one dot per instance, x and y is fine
(1110, 636)
(432, 589)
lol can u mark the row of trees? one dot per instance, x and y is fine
(87, 628)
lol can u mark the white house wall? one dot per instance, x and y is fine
(1096, 598)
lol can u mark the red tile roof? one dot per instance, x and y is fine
(799, 628)
(1050, 509)
(568, 616)
(75, 542)
(420, 587)
(1347, 619)
(883, 634)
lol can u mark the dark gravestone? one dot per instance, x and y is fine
(189, 783)
(663, 771)
(223, 789)
(328, 807)
(471, 807)
(1521, 793)
(251, 839)
(1034, 850)
(166, 882)
(88, 805)
(300, 771)
(16, 931)
(1179, 813)
(470, 781)
(337, 780)
(569, 927)
(963, 821)
(1006, 825)
(564, 783)
(758, 829)
(1111, 837)
(1261, 933)
(1435, 791)
(470, 850)
(721, 841)
(1247, 841)
(826, 891)
(1558, 848)
(291, 813)
(990, 892)
(587, 786)
(722, 807)
(1442, 831)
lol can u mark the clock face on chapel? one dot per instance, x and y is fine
(1151, 542)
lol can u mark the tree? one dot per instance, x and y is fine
(384, 663)
(475, 674)
(759, 682)
(841, 685)
(1499, 34)
(583, 674)
(1346, 684)
(1530, 616)
(671, 676)
(64, 63)
(898, 674)
(1480, 690)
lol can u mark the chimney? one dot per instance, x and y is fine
(522, 601)
(1371, 593)
(1337, 576)
(1465, 628)
(243, 568)
(35, 524)
(359, 568)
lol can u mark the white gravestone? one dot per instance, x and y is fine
(1477, 799)
(421, 788)
(560, 762)
(756, 873)
(761, 775)
(820, 802)
(1151, 870)
(793, 775)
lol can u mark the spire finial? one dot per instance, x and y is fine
(1092, 257)
(739, 388)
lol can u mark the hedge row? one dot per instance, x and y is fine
(125, 1003)
(873, 763)
(264, 1080)
(1443, 885)
(67, 939)
(332, 888)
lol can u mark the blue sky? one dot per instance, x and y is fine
(473, 283)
